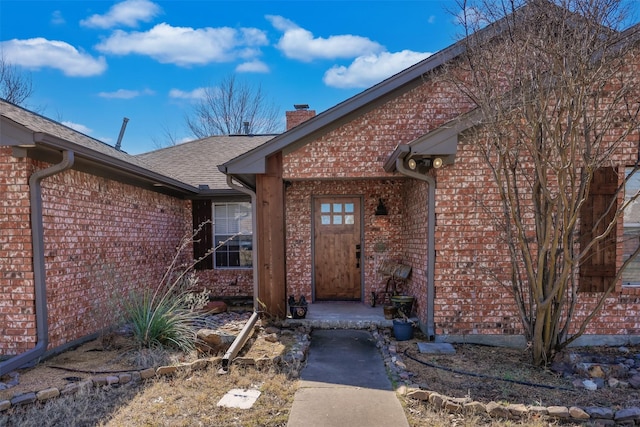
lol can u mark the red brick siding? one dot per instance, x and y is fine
(359, 148)
(415, 232)
(382, 234)
(17, 318)
(227, 282)
(102, 240)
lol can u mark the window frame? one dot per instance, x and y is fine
(245, 260)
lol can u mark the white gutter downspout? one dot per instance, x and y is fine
(39, 272)
(254, 236)
(431, 240)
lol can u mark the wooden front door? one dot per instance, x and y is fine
(337, 248)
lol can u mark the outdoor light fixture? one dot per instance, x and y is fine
(437, 162)
(412, 164)
(381, 209)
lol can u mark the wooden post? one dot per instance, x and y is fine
(271, 241)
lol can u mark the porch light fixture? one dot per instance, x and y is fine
(381, 209)
(436, 163)
(412, 164)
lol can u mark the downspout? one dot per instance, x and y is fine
(254, 237)
(431, 240)
(247, 330)
(39, 272)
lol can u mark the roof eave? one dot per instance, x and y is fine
(154, 179)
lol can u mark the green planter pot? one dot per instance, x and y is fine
(403, 303)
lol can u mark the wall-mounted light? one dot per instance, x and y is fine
(436, 163)
(381, 209)
(412, 164)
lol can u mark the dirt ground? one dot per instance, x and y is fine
(486, 373)
(116, 354)
(480, 372)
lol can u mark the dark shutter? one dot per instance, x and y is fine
(203, 241)
(598, 270)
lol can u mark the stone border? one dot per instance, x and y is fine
(294, 358)
(398, 372)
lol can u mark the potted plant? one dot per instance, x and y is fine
(402, 327)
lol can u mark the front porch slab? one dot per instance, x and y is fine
(342, 315)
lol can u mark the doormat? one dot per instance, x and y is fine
(239, 398)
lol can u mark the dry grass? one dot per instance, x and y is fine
(188, 399)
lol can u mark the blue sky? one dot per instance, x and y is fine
(94, 62)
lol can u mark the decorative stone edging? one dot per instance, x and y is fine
(293, 359)
(108, 380)
(397, 369)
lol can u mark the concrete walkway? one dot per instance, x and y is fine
(345, 384)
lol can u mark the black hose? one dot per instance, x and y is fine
(84, 371)
(474, 374)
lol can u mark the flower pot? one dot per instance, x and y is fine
(389, 312)
(403, 303)
(402, 330)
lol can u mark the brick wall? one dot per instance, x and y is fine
(382, 234)
(102, 240)
(17, 318)
(470, 255)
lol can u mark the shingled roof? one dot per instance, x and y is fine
(44, 139)
(195, 162)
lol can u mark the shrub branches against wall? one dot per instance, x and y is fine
(556, 87)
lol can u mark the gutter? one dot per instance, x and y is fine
(254, 236)
(39, 271)
(431, 239)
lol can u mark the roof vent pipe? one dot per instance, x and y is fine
(124, 126)
(246, 127)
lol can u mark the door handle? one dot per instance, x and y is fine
(358, 256)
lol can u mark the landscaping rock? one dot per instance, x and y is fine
(419, 395)
(166, 370)
(600, 413)
(475, 408)
(558, 412)
(497, 410)
(213, 341)
(215, 307)
(124, 378)
(147, 373)
(4, 405)
(627, 414)
(578, 414)
(518, 409)
(47, 394)
(23, 399)
(538, 410)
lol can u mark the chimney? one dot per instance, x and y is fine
(301, 114)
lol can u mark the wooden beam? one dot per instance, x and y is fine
(271, 241)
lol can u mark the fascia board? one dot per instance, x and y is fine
(54, 142)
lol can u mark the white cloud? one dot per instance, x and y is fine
(365, 71)
(471, 17)
(38, 53)
(125, 94)
(298, 43)
(253, 67)
(185, 46)
(57, 18)
(128, 13)
(198, 93)
(77, 126)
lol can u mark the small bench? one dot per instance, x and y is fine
(395, 274)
